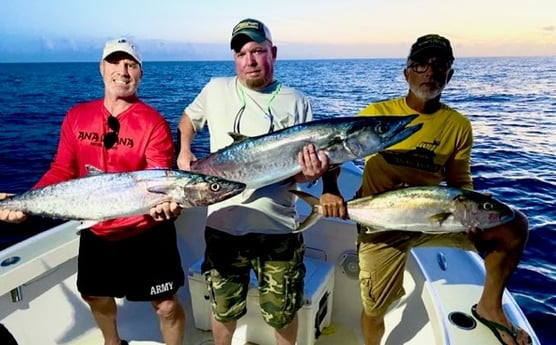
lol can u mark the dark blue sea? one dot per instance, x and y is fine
(510, 101)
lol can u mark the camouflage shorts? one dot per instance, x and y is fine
(277, 263)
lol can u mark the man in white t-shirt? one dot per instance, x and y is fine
(253, 233)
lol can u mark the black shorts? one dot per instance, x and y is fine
(145, 267)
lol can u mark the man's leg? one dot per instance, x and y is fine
(288, 334)
(382, 258)
(223, 332)
(104, 312)
(228, 290)
(281, 273)
(172, 320)
(99, 278)
(505, 248)
(372, 328)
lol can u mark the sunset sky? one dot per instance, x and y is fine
(191, 30)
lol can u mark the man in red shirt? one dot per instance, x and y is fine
(133, 257)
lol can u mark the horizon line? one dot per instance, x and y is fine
(281, 59)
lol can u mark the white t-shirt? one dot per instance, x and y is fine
(227, 106)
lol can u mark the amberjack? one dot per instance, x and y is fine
(101, 196)
(266, 159)
(430, 209)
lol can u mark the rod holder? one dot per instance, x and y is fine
(17, 295)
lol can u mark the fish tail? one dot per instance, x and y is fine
(314, 216)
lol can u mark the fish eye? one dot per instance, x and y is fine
(215, 187)
(382, 128)
(488, 206)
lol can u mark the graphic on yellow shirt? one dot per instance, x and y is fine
(440, 151)
(422, 157)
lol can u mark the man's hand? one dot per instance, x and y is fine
(185, 157)
(333, 206)
(313, 164)
(164, 211)
(10, 216)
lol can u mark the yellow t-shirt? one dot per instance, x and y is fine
(440, 151)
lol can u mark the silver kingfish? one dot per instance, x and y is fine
(102, 196)
(266, 159)
(431, 209)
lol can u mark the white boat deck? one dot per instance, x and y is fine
(51, 312)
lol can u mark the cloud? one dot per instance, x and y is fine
(33, 49)
(43, 49)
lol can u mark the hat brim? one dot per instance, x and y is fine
(244, 36)
(124, 53)
(432, 51)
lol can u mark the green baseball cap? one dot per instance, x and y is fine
(249, 30)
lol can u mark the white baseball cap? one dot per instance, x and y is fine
(121, 45)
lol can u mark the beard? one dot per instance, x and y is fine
(427, 93)
(256, 84)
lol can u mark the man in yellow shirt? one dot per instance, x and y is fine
(439, 152)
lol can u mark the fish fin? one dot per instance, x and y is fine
(314, 216)
(160, 189)
(308, 198)
(85, 224)
(307, 222)
(93, 170)
(373, 229)
(439, 218)
(237, 136)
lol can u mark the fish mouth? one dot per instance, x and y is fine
(234, 189)
(507, 217)
(402, 131)
(372, 134)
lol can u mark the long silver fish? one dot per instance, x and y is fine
(431, 209)
(102, 196)
(266, 159)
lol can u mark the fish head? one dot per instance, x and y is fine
(366, 135)
(474, 209)
(198, 190)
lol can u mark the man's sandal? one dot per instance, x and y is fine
(495, 327)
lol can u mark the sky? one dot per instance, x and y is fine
(70, 30)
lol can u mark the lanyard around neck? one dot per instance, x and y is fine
(239, 115)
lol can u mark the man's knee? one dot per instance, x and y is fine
(279, 308)
(279, 319)
(509, 237)
(167, 308)
(98, 301)
(374, 317)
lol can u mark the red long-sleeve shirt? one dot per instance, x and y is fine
(144, 142)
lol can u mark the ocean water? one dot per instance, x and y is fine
(510, 101)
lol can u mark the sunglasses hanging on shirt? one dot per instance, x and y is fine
(111, 138)
(268, 114)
